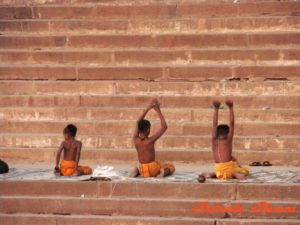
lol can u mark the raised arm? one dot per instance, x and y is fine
(163, 124)
(142, 116)
(216, 105)
(58, 153)
(229, 103)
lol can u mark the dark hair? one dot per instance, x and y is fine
(3, 167)
(71, 129)
(222, 129)
(144, 125)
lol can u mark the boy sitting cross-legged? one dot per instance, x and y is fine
(71, 149)
(144, 145)
(226, 166)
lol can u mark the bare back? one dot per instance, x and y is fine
(145, 146)
(70, 149)
(222, 142)
(145, 149)
(222, 150)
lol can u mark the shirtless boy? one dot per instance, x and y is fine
(72, 149)
(144, 145)
(226, 166)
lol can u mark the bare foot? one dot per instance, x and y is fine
(135, 172)
(57, 174)
(201, 179)
(209, 175)
(164, 172)
(78, 172)
(239, 176)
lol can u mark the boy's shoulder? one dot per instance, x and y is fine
(77, 142)
(70, 141)
(140, 141)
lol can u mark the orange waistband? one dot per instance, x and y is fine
(150, 163)
(68, 163)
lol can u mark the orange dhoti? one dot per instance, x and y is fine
(227, 169)
(68, 168)
(153, 169)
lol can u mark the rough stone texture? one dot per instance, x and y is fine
(284, 23)
(98, 220)
(17, 154)
(137, 207)
(119, 189)
(97, 64)
(21, 219)
(257, 221)
(284, 192)
(42, 188)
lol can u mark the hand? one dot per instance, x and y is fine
(157, 107)
(229, 103)
(216, 104)
(76, 173)
(56, 171)
(57, 174)
(152, 103)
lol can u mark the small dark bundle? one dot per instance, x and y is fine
(3, 167)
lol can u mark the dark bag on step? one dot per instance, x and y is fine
(3, 167)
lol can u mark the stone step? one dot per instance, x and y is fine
(183, 129)
(49, 219)
(119, 2)
(244, 56)
(166, 41)
(248, 24)
(139, 88)
(150, 73)
(184, 208)
(123, 190)
(120, 155)
(131, 101)
(171, 142)
(154, 10)
(97, 114)
(205, 40)
(256, 221)
(142, 190)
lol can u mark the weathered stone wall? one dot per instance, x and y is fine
(97, 65)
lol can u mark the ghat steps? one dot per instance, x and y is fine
(61, 202)
(97, 63)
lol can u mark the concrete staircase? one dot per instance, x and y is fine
(97, 63)
(42, 202)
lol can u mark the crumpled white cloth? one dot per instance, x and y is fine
(106, 171)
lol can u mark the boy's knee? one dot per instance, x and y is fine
(239, 176)
(165, 172)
